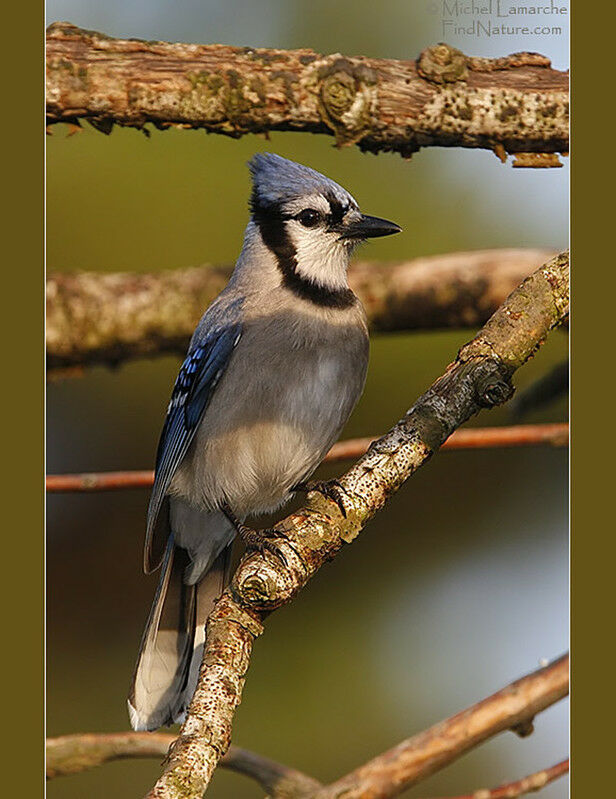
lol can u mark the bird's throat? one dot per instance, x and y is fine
(296, 274)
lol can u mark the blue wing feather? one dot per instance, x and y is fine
(194, 387)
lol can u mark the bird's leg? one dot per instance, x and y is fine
(330, 489)
(259, 540)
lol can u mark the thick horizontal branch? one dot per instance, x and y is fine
(106, 318)
(70, 754)
(511, 790)
(417, 758)
(513, 104)
(556, 435)
(480, 377)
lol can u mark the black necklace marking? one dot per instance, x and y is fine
(271, 223)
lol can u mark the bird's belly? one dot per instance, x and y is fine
(254, 445)
(254, 467)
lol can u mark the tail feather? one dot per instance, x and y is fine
(166, 647)
(171, 649)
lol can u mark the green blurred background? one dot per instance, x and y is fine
(460, 584)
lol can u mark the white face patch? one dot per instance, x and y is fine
(320, 255)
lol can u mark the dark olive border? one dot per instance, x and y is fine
(592, 441)
(22, 397)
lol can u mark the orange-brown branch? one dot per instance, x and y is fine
(526, 435)
(511, 790)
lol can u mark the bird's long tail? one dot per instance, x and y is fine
(171, 649)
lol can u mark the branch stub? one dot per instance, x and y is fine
(442, 63)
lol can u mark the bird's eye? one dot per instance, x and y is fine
(309, 217)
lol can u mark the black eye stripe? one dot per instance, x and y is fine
(270, 221)
(310, 217)
(337, 212)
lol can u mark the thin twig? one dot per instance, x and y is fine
(517, 104)
(98, 481)
(528, 435)
(480, 377)
(108, 318)
(511, 790)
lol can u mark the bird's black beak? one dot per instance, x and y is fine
(369, 227)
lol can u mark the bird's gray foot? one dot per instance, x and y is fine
(260, 541)
(330, 489)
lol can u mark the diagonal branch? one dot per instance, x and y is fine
(480, 377)
(107, 318)
(417, 758)
(513, 104)
(70, 754)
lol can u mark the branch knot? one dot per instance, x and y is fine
(493, 390)
(442, 63)
(347, 95)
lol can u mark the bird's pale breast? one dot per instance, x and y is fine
(281, 404)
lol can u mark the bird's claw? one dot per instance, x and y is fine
(330, 489)
(261, 541)
(256, 540)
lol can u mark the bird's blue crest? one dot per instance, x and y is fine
(277, 180)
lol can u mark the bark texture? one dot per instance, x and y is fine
(480, 377)
(95, 318)
(513, 104)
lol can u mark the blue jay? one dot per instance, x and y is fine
(273, 371)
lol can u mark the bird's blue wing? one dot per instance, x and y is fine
(192, 392)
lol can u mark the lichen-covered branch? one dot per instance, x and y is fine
(480, 377)
(512, 708)
(515, 104)
(106, 318)
(70, 754)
